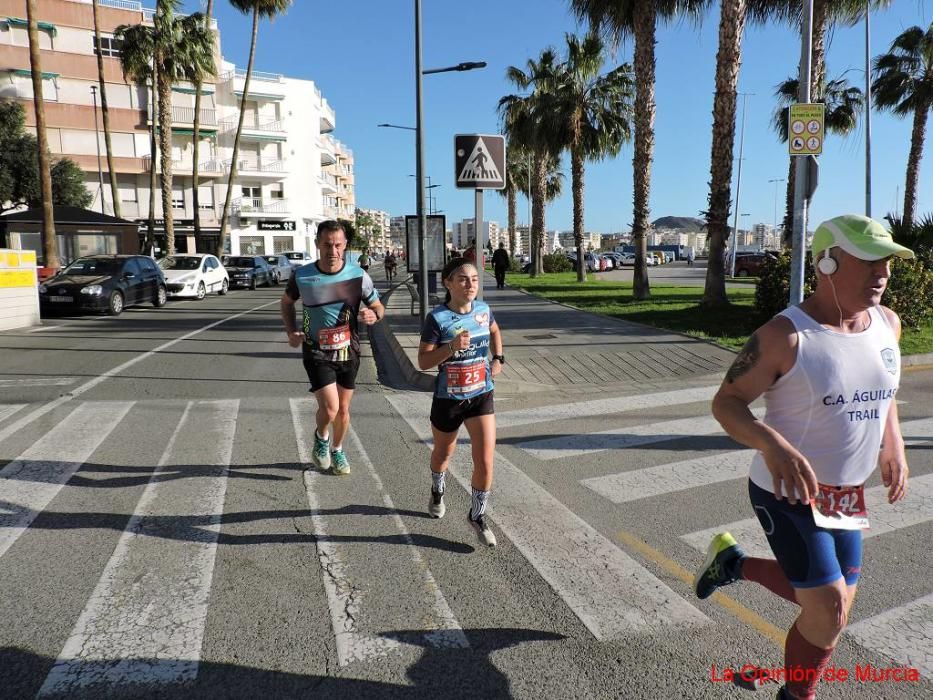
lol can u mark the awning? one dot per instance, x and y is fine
(28, 73)
(17, 22)
(260, 95)
(192, 91)
(263, 137)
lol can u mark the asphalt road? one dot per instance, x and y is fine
(161, 537)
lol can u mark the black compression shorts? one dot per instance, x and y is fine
(447, 415)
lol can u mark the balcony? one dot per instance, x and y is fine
(253, 166)
(331, 212)
(328, 183)
(328, 150)
(256, 129)
(256, 206)
(185, 115)
(210, 168)
(262, 86)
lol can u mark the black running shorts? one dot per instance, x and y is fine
(323, 373)
(447, 415)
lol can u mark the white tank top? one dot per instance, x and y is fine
(833, 403)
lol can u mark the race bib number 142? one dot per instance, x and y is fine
(841, 508)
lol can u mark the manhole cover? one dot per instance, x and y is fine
(544, 336)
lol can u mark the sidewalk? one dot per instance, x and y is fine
(549, 346)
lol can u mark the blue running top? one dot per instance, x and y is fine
(331, 303)
(467, 373)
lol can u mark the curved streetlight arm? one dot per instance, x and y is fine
(466, 65)
(396, 126)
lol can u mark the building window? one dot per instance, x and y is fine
(109, 46)
(205, 197)
(178, 198)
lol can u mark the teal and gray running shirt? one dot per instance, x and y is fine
(331, 303)
(467, 373)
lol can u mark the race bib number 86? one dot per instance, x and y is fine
(336, 338)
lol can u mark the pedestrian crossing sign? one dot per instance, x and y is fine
(479, 161)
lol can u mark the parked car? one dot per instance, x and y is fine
(248, 271)
(749, 264)
(105, 284)
(194, 275)
(281, 267)
(297, 258)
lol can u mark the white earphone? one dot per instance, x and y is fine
(826, 264)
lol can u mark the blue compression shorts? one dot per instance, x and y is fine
(810, 556)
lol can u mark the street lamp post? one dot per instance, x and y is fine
(738, 185)
(776, 181)
(100, 173)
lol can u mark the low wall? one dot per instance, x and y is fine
(19, 290)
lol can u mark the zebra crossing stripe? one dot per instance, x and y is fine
(670, 478)
(603, 407)
(622, 438)
(30, 482)
(915, 508)
(7, 410)
(342, 598)
(144, 623)
(612, 594)
(904, 633)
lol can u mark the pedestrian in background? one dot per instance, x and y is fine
(500, 264)
(829, 369)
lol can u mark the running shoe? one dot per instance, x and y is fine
(722, 566)
(321, 453)
(339, 464)
(482, 529)
(436, 505)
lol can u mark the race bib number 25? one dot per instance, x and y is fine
(465, 379)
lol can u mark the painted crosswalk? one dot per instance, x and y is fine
(610, 592)
(144, 622)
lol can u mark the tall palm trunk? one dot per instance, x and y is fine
(105, 111)
(165, 158)
(236, 140)
(538, 189)
(787, 234)
(196, 175)
(917, 136)
(728, 61)
(818, 61)
(512, 203)
(576, 185)
(49, 242)
(644, 20)
(153, 155)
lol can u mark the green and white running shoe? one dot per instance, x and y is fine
(723, 566)
(339, 464)
(320, 455)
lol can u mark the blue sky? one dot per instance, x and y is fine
(359, 52)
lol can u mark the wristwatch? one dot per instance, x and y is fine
(501, 358)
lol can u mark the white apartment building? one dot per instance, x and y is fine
(464, 233)
(381, 238)
(397, 232)
(283, 184)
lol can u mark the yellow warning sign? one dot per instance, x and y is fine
(805, 129)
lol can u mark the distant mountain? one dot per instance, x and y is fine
(687, 223)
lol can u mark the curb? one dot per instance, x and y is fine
(414, 376)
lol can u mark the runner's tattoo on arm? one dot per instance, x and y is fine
(747, 358)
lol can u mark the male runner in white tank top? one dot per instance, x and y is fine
(829, 371)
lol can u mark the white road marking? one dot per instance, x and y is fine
(603, 407)
(671, 478)
(38, 381)
(90, 384)
(30, 482)
(622, 438)
(917, 432)
(904, 633)
(8, 409)
(916, 508)
(144, 623)
(612, 594)
(343, 598)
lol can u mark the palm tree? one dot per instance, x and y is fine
(638, 18)
(49, 242)
(903, 83)
(164, 25)
(258, 8)
(591, 116)
(196, 181)
(516, 180)
(136, 59)
(526, 120)
(105, 112)
(842, 103)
